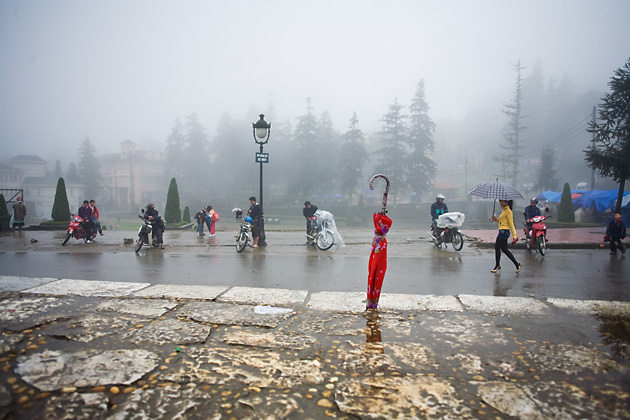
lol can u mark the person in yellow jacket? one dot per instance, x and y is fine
(506, 225)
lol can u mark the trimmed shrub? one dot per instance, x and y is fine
(61, 208)
(3, 207)
(186, 216)
(565, 210)
(172, 212)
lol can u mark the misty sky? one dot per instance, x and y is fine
(116, 70)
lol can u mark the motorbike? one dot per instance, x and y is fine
(147, 233)
(77, 230)
(537, 239)
(447, 230)
(320, 233)
(243, 237)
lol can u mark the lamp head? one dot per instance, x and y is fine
(261, 130)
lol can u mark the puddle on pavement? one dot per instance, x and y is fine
(305, 364)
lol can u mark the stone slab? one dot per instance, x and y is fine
(509, 305)
(150, 308)
(230, 314)
(169, 331)
(51, 370)
(403, 302)
(16, 284)
(592, 307)
(88, 288)
(338, 301)
(172, 291)
(263, 296)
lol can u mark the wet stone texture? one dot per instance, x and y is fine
(135, 358)
(53, 370)
(229, 314)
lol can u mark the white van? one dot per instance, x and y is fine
(582, 186)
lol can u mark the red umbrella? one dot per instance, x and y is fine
(378, 257)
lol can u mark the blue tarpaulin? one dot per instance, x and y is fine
(602, 200)
(554, 196)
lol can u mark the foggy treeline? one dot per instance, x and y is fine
(313, 159)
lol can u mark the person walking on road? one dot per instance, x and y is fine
(617, 231)
(506, 225)
(19, 214)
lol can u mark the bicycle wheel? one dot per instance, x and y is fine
(542, 246)
(139, 243)
(325, 240)
(457, 241)
(65, 241)
(241, 242)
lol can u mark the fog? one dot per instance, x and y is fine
(117, 70)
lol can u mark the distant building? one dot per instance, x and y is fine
(29, 173)
(132, 177)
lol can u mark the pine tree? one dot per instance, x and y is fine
(419, 164)
(305, 139)
(565, 210)
(58, 171)
(610, 151)
(73, 173)
(174, 164)
(172, 212)
(352, 159)
(89, 169)
(512, 134)
(186, 215)
(547, 171)
(392, 154)
(197, 157)
(61, 208)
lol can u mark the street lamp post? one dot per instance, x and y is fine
(261, 130)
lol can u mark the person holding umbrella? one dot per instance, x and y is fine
(506, 225)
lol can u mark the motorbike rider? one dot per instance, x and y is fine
(437, 209)
(151, 214)
(86, 213)
(530, 211)
(308, 211)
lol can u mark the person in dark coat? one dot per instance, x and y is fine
(617, 231)
(308, 211)
(153, 216)
(255, 212)
(437, 209)
(530, 212)
(19, 214)
(87, 214)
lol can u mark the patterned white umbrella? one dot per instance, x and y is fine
(495, 191)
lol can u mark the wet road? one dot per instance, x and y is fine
(415, 266)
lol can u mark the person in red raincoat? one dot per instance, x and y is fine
(378, 259)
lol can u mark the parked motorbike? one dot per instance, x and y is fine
(447, 230)
(243, 237)
(537, 238)
(76, 230)
(147, 233)
(320, 233)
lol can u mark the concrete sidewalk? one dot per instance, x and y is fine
(100, 350)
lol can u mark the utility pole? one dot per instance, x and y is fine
(593, 169)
